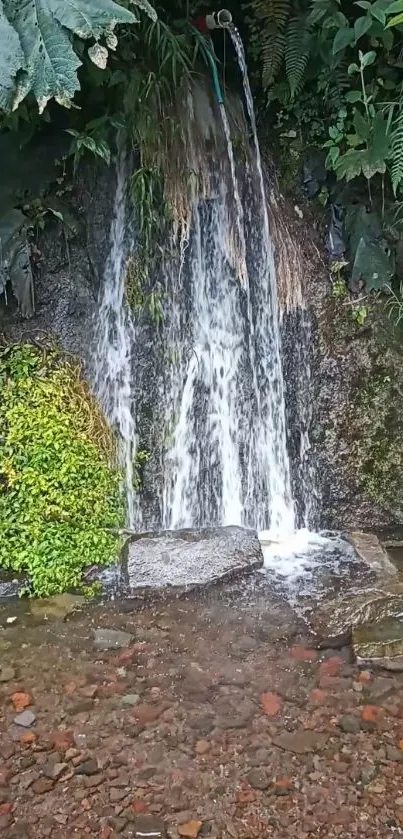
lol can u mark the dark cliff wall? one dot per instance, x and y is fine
(355, 392)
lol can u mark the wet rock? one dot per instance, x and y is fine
(381, 642)
(349, 724)
(258, 779)
(131, 699)
(111, 639)
(117, 795)
(190, 830)
(394, 754)
(7, 674)
(57, 607)
(300, 742)
(26, 719)
(89, 767)
(368, 773)
(149, 827)
(190, 558)
(53, 770)
(42, 785)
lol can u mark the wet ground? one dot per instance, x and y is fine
(218, 720)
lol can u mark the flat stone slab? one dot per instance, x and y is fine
(187, 559)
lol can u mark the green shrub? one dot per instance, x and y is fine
(59, 486)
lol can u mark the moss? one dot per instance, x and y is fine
(377, 444)
(59, 486)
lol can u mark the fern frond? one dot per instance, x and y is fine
(396, 147)
(271, 53)
(274, 12)
(296, 52)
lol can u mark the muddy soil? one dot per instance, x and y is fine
(217, 720)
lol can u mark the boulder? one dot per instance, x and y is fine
(187, 559)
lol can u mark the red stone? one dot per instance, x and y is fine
(139, 807)
(148, 713)
(28, 738)
(303, 654)
(271, 704)
(85, 804)
(331, 667)
(318, 696)
(21, 700)
(371, 713)
(105, 832)
(6, 809)
(62, 740)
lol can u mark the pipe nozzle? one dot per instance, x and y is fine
(219, 20)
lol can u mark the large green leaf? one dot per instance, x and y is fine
(49, 64)
(12, 59)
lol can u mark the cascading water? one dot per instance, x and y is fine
(115, 338)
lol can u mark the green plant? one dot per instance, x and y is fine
(59, 487)
(359, 313)
(38, 40)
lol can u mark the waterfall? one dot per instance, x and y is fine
(115, 338)
(207, 383)
(227, 461)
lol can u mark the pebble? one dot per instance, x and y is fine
(190, 830)
(53, 770)
(271, 704)
(111, 639)
(300, 742)
(42, 785)
(26, 719)
(258, 779)
(131, 699)
(349, 724)
(89, 767)
(202, 747)
(7, 674)
(149, 826)
(116, 794)
(368, 774)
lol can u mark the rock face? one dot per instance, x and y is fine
(373, 598)
(381, 642)
(188, 559)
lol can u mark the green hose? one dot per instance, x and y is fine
(216, 81)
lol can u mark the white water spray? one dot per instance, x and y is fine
(115, 339)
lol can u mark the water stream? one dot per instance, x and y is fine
(115, 338)
(209, 391)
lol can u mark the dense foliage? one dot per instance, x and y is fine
(332, 76)
(59, 488)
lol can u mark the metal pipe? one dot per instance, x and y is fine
(219, 20)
